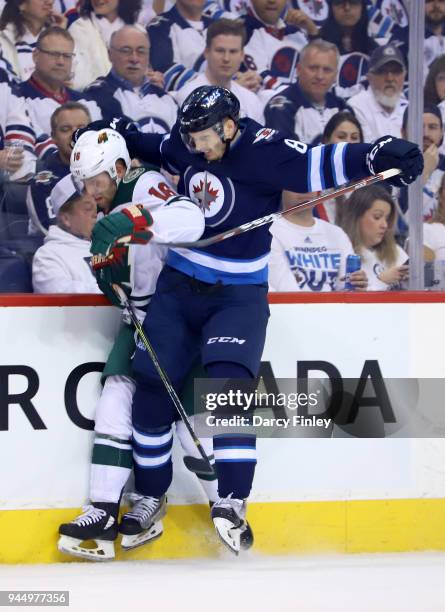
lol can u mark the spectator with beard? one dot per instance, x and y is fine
(434, 168)
(380, 108)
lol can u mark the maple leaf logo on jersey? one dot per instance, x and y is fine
(205, 194)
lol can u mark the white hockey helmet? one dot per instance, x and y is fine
(96, 152)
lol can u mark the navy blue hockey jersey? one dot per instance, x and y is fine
(153, 109)
(39, 209)
(291, 112)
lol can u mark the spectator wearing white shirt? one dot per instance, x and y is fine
(369, 220)
(224, 53)
(62, 264)
(21, 22)
(309, 254)
(92, 34)
(380, 108)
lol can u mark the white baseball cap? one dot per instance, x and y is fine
(64, 191)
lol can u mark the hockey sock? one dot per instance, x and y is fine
(235, 455)
(152, 451)
(111, 466)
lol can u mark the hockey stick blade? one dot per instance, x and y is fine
(250, 225)
(197, 465)
(126, 303)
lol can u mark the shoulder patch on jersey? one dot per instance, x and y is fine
(133, 174)
(264, 134)
(278, 102)
(44, 177)
(159, 20)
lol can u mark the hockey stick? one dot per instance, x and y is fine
(250, 225)
(207, 467)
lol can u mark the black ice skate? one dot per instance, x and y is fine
(143, 523)
(229, 518)
(97, 523)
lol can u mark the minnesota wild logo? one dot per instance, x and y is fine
(103, 137)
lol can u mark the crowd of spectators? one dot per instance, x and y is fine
(326, 71)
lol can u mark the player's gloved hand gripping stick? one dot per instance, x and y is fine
(205, 466)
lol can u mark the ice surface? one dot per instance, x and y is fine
(413, 582)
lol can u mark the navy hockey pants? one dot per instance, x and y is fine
(188, 319)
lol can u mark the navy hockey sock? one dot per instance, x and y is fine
(235, 455)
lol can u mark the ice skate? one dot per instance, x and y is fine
(228, 516)
(98, 524)
(143, 523)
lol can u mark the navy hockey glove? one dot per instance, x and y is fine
(389, 152)
(123, 125)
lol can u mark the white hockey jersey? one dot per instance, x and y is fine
(174, 220)
(272, 51)
(15, 124)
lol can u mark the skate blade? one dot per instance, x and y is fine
(104, 550)
(228, 535)
(133, 541)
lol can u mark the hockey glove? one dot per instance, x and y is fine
(123, 125)
(119, 272)
(129, 226)
(389, 152)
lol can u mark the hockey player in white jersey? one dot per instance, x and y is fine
(101, 163)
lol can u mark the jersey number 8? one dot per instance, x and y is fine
(296, 144)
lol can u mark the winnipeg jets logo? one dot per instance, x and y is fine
(214, 194)
(395, 10)
(207, 190)
(316, 9)
(204, 193)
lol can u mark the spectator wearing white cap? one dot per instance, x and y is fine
(62, 264)
(380, 108)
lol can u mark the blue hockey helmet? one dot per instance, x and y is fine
(206, 107)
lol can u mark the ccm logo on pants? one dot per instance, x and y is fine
(226, 339)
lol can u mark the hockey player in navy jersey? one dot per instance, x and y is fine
(237, 170)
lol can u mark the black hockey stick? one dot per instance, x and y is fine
(207, 467)
(250, 225)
